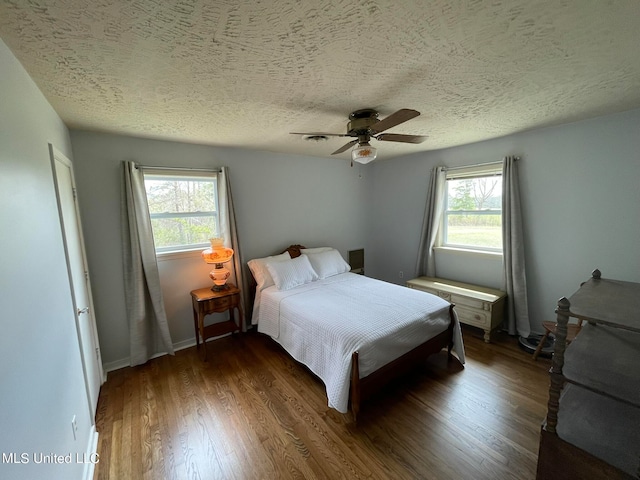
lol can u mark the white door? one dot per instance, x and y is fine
(78, 275)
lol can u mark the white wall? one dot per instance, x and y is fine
(279, 199)
(580, 194)
(41, 380)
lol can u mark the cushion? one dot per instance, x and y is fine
(258, 267)
(328, 263)
(292, 273)
(316, 250)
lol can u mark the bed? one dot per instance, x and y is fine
(355, 333)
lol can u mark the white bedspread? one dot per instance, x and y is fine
(322, 323)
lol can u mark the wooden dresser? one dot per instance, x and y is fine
(480, 307)
(592, 429)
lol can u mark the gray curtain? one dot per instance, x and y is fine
(148, 328)
(229, 232)
(513, 251)
(431, 223)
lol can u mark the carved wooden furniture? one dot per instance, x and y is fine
(206, 301)
(477, 306)
(592, 429)
(550, 329)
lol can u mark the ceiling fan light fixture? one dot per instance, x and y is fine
(363, 153)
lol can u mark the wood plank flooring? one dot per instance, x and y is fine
(251, 412)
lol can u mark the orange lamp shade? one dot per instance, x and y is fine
(218, 253)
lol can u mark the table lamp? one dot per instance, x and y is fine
(217, 255)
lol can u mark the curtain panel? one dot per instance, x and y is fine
(513, 251)
(431, 223)
(229, 231)
(148, 327)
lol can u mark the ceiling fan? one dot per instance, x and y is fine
(365, 125)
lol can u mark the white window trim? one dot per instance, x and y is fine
(469, 251)
(472, 171)
(484, 170)
(183, 251)
(180, 254)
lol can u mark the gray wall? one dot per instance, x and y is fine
(581, 201)
(578, 183)
(41, 379)
(279, 199)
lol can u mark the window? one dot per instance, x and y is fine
(472, 216)
(183, 209)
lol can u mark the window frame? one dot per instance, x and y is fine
(176, 174)
(468, 173)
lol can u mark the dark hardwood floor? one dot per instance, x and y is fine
(253, 412)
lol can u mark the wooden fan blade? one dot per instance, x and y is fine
(346, 147)
(397, 137)
(394, 119)
(313, 134)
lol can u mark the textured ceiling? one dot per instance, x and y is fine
(245, 73)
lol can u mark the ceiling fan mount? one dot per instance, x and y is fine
(364, 125)
(364, 113)
(361, 121)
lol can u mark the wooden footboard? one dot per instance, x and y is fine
(362, 388)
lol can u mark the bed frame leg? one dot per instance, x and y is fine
(354, 397)
(451, 326)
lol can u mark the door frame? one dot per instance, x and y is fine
(56, 155)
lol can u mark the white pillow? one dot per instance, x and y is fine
(292, 273)
(329, 263)
(258, 267)
(316, 250)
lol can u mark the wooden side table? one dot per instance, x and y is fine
(206, 301)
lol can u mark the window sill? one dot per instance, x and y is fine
(178, 254)
(468, 251)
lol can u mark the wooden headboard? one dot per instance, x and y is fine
(294, 250)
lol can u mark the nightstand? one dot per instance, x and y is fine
(206, 301)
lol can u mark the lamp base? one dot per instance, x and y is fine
(219, 275)
(220, 288)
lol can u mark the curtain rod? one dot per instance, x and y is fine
(150, 167)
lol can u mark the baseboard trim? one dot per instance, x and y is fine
(181, 345)
(126, 362)
(117, 365)
(91, 456)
